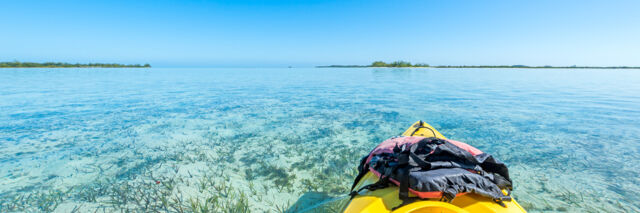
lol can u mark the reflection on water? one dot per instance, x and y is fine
(289, 139)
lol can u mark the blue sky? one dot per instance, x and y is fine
(308, 33)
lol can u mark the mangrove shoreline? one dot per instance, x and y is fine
(17, 64)
(403, 64)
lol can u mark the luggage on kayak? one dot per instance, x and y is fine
(413, 173)
(435, 168)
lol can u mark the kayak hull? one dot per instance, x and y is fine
(384, 200)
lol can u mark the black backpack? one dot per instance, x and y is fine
(435, 168)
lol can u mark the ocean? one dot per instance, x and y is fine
(289, 139)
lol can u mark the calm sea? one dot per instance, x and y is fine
(289, 139)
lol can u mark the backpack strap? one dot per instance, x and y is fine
(406, 202)
(363, 169)
(403, 175)
(380, 184)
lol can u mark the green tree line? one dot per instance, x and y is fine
(396, 64)
(408, 64)
(17, 64)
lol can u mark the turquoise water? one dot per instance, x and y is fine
(289, 139)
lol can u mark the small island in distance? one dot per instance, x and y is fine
(399, 64)
(17, 64)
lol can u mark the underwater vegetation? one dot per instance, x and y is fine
(202, 174)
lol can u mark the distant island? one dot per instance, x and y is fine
(381, 64)
(409, 65)
(17, 64)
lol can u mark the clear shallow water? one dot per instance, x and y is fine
(274, 139)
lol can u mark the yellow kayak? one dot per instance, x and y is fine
(383, 200)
